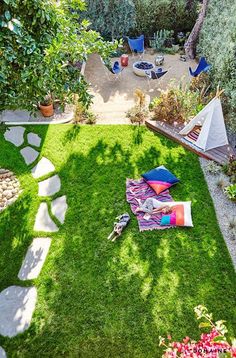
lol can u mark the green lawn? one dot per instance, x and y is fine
(103, 299)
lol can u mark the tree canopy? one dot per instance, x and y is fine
(218, 44)
(113, 19)
(41, 41)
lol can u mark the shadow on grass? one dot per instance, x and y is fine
(138, 132)
(108, 299)
(15, 237)
(71, 134)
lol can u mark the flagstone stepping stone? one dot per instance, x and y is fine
(59, 207)
(33, 139)
(2, 353)
(34, 259)
(15, 135)
(17, 305)
(29, 154)
(43, 167)
(43, 221)
(49, 186)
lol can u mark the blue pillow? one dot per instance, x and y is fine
(160, 179)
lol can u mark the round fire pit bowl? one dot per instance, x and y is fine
(140, 68)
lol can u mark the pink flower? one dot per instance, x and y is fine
(186, 340)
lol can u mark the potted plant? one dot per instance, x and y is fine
(46, 106)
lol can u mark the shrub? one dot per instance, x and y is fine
(113, 19)
(213, 168)
(83, 115)
(230, 169)
(218, 44)
(230, 191)
(221, 182)
(202, 84)
(176, 104)
(211, 345)
(138, 113)
(162, 39)
(152, 16)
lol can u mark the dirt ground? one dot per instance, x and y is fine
(112, 97)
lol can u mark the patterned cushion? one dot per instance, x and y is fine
(179, 216)
(160, 179)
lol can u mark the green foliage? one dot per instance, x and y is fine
(83, 115)
(182, 102)
(164, 14)
(230, 191)
(230, 169)
(113, 19)
(138, 113)
(40, 44)
(162, 39)
(218, 44)
(176, 104)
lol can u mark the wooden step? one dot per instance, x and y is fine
(220, 155)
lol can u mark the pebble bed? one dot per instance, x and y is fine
(225, 208)
(9, 188)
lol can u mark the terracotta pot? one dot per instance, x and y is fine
(47, 111)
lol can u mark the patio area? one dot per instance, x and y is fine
(112, 98)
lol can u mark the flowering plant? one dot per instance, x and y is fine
(210, 345)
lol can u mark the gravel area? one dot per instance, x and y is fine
(9, 188)
(225, 208)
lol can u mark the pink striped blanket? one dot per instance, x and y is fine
(139, 189)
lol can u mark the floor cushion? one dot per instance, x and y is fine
(160, 179)
(180, 214)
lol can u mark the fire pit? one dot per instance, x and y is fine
(140, 67)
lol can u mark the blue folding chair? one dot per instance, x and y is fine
(203, 66)
(116, 69)
(154, 75)
(137, 45)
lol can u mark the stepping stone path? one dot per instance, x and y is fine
(29, 154)
(43, 221)
(17, 303)
(2, 353)
(59, 207)
(15, 135)
(34, 259)
(43, 167)
(49, 186)
(9, 188)
(34, 139)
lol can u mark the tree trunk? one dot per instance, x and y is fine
(191, 43)
(189, 5)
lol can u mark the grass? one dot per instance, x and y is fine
(103, 299)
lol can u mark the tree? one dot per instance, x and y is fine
(191, 43)
(189, 5)
(153, 16)
(217, 42)
(113, 19)
(40, 43)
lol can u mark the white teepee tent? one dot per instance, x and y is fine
(213, 133)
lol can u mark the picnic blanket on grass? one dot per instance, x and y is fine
(139, 189)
